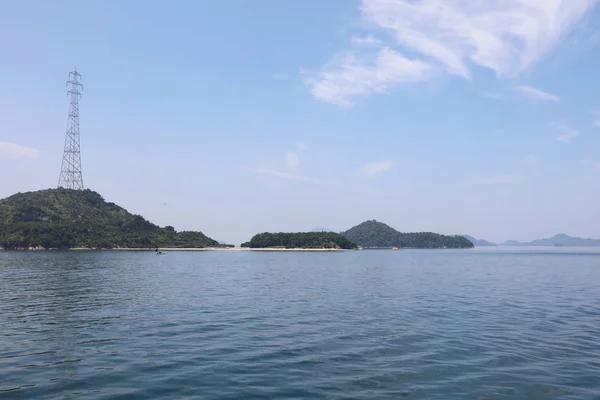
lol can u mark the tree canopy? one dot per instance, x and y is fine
(66, 218)
(300, 240)
(377, 234)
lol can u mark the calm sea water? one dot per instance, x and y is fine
(469, 324)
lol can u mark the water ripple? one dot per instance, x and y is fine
(358, 325)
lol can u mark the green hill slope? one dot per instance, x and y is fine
(377, 234)
(64, 218)
(301, 240)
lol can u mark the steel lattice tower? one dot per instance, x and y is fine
(70, 173)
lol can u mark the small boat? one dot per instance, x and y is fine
(394, 248)
(159, 252)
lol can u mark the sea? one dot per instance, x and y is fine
(484, 323)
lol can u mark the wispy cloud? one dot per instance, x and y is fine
(301, 147)
(369, 41)
(16, 151)
(367, 190)
(350, 76)
(495, 180)
(597, 118)
(591, 163)
(292, 158)
(531, 160)
(538, 94)
(567, 135)
(291, 161)
(285, 175)
(375, 168)
(507, 36)
(493, 96)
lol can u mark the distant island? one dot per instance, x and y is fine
(558, 240)
(67, 218)
(300, 240)
(375, 234)
(479, 242)
(82, 219)
(321, 229)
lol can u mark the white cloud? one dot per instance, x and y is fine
(531, 160)
(292, 158)
(291, 161)
(369, 41)
(506, 36)
(597, 118)
(375, 168)
(567, 135)
(537, 94)
(350, 76)
(591, 163)
(493, 96)
(495, 180)
(284, 175)
(16, 151)
(301, 147)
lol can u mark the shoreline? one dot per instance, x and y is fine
(167, 249)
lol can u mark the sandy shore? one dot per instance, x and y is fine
(207, 249)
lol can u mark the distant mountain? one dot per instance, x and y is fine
(557, 240)
(375, 234)
(512, 243)
(320, 229)
(479, 242)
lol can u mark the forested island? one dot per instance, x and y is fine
(375, 234)
(66, 218)
(300, 240)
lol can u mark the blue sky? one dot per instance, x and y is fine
(448, 116)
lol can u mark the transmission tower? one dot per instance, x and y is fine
(70, 173)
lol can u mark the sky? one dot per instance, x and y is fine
(237, 117)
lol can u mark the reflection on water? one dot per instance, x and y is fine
(484, 323)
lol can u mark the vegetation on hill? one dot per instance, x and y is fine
(300, 240)
(377, 234)
(65, 218)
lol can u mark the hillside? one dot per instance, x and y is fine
(65, 218)
(377, 234)
(300, 240)
(557, 240)
(479, 242)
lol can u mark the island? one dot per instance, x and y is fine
(300, 240)
(66, 219)
(374, 234)
(558, 240)
(479, 242)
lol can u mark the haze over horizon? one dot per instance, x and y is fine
(237, 117)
